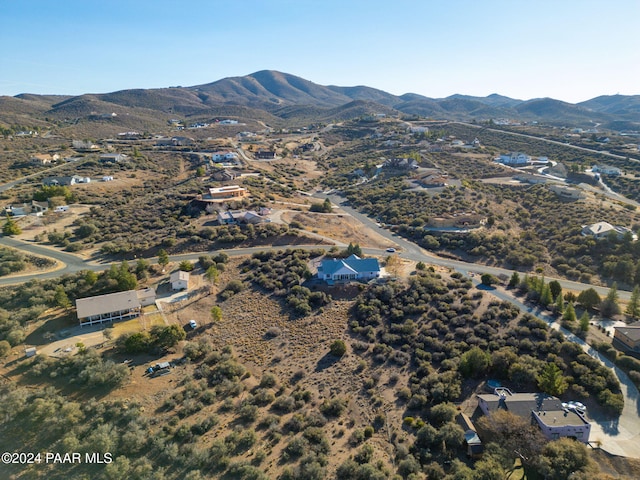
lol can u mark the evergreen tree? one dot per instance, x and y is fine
(584, 321)
(545, 297)
(559, 306)
(556, 288)
(551, 380)
(633, 309)
(609, 305)
(163, 258)
(11, 227)
(515, 280)
(216, 313)
(569, 314)
(60, 297)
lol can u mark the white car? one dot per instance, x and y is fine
(391, 250)
(193, 324)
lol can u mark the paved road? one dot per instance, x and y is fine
(413, 252)
(620, 436)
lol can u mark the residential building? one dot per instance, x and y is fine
(232, 217)
(464, 220)
(475, 449)
(62, 181)
(606, 170)
(223, 175)
(567, 193)
(108, 308)
(602, 230)
(84, 146)
(265, 154)
(112, 157)
(628, 337)
(554, 419)
(44, 158)
(179, 280)
(147, 296)
(229, 192)
(514, 158)
(347, 269)
(224, 156)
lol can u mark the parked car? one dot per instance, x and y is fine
(391, 250)
(193, 324)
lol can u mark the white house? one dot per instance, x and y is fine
(554, 419)
(222, 156)
(179, 280)
(514, 158)
(112, 157)
(602, 230)
(350, 268)
(606, 170)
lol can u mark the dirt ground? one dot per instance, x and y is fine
(343, 228)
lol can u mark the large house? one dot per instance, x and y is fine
(64, 181)
(265, 154)
(514, 158)
(628, 337)
(602, 230)
(554, 419)
(606, 170)
(229, 192)
(233, 217)
(112, 306)
(346, 269)
(224, 156)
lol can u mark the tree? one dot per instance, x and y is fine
(633, 308)
(474, 362)
(354, 249)
(60, 297)
(551, 380)
(569, 314)
(5, 348)
(609, 305)
(393, 265)
(562, 458)
(559, 306)
(216, 313)
(589, 298)
(487, 279)
(200, 171)
(546, 297)
(584, 321)
(420, 266)
(163, 258)
(514, 281)
(11, 227)
(556, 288)
(212, 274)
(186, 266)
(338, 348)
(166, 337)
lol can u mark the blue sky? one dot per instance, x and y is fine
(571, 50)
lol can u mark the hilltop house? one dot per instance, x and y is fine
(265, 154)
(220, 194)
(112, 306)
(233, 217)
(606, 170)
(554, 419)
(514, 158)
(112, 157)
(64, 181)
(602, 230)
(44, 158)
(224, 156)
(346, 269)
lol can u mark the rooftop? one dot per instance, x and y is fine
(111, 302)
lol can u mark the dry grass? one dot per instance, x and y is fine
(342, 228)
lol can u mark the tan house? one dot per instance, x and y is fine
(228, 192)
(44, 158)
(628, 337)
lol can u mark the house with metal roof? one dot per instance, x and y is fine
(108, 308)
(343, 270)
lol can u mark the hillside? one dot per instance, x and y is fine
(294, 97)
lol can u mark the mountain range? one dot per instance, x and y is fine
(273, 96)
